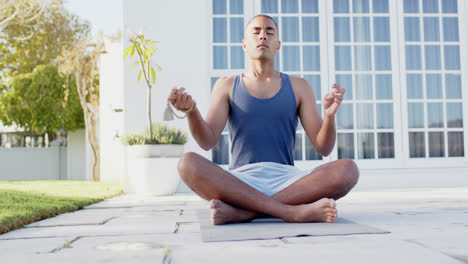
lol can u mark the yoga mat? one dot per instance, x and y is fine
(271, 228)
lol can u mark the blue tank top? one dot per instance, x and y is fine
(262, 130)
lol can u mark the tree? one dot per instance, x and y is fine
(40, 103)
(145, 49)
(20, 13)
(54, 29)
(81, 62)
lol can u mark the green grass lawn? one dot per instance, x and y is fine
(25, 202)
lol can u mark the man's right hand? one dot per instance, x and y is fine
(181, 100)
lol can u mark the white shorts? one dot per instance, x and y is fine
(269, 177)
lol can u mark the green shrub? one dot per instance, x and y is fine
(162, 134)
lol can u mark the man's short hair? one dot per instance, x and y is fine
(263, 15)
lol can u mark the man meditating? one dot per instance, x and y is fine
(263, 106)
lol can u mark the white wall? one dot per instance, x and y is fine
(181, 27)
(32, 163)
(76, 149)
(111, 119)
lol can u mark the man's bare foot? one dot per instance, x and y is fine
(223, 213)
(323, 210)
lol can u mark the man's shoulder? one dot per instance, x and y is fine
(226, 80)
(299, 84)
(297, 80)
(224, 83)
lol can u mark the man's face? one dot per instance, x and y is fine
(261, 39)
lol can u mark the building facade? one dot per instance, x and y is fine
(403, 64)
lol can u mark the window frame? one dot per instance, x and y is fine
(399, 85)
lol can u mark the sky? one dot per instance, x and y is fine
(103, 15)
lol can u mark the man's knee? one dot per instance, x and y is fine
(186, 164)
(350, 171)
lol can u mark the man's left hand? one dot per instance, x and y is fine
(331, 102)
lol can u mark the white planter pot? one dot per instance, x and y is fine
(152, 169)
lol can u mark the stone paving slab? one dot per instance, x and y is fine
(354, 250)
(32, 246)
(81, 217)
(427, 225)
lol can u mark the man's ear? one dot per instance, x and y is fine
(279, 45)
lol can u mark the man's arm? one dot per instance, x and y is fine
(206, 133)
(321, 133)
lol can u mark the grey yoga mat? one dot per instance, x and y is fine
(270, 228)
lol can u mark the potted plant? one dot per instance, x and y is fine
(152, 155)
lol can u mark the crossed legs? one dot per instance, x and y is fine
(310, 199)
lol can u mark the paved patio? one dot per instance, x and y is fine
(426, 225)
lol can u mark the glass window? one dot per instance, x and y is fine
(434, 86)
(436, 144)
(383, 58)
(386, 144)
(314, 82)
(219, 30)
(289, 6)
(381, 29)
(345, 117)
(454, 115)
(412, 27)
(365, 116)
(311, 58)
(346, 81)
(343, 58)
(340, 6)
(311, 153)
(309, 6)
(276, 20)
(269, 6)
(414, 86)
(413, 57)
(453, 86)
(290, 29)
(365, 145)
(219, 7)
(449, 6)
(433, 57)
(291, 57)
(221, 151)
(380, 6)
(360, 6)
(298, 147)
(363, 87)
(361, 29)
(310, 29)
(342, 33)
(411, 6)
(417, 145)
(383, 86)
(415, 115)
(384, 115)
(450, 25)
(431, 29)
(236, 6)
(345, 145)
(220, 57)
(430, 6)
(452, 57)
(237, 30)
(435, 115)
(362, 58)
(455, 144)
(237, 57)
